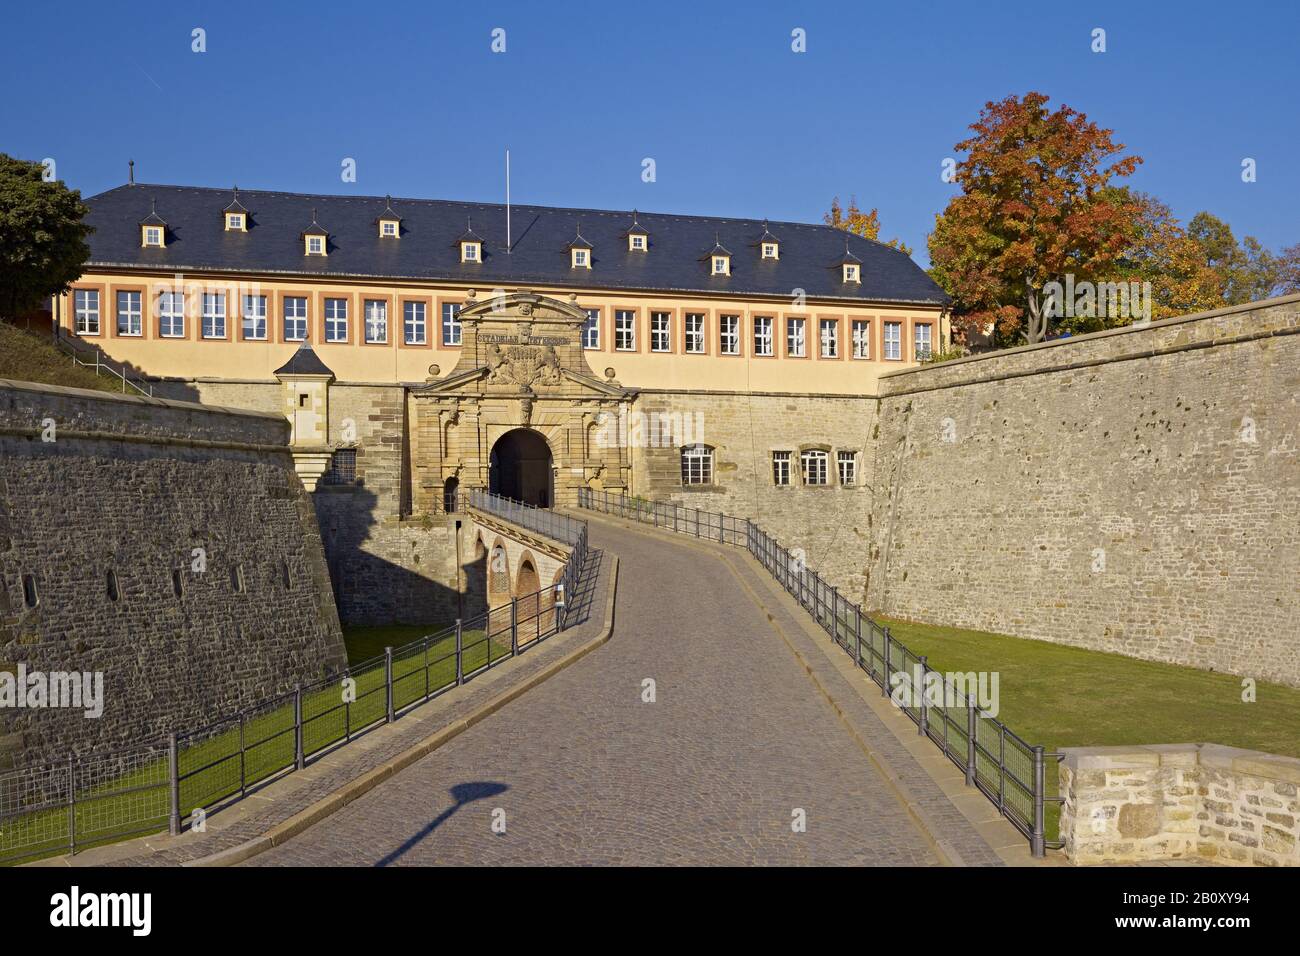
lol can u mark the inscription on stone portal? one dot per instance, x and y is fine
(525, 339)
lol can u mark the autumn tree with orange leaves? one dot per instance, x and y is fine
(1037, 202)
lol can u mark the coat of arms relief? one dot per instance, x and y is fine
(523, 366)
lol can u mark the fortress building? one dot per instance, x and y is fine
(767, 369)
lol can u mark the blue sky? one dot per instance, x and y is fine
(736, 122)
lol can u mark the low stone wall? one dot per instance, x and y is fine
(1180, 801)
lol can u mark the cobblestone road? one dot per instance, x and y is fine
(582, 771)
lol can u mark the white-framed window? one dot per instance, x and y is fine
(695, 332)
(781, 468)
(86, 311)
(661, 328)
(376, 316)
(214, 315)
(830, 338)
(580, 259)
(893, 340)
(450, 323)
(763, 335)
(769, 250)
(697, 465)
(315, 245)
(153, 235)
(814, 462)
(388, 227)
(721, 266)
(591, 330)
(637, 242)
(171, 315)
(796, 337)
(850, 272)
(234, 220)
(295, 318)
(861, 339)
(624, 330)
(414, 323)
(848, 466)
(729, 334)
(923, 340)
(253, 316)
(336, 320)
(130, 317)
(469, 252)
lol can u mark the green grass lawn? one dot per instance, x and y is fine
(1062, 696)
(31, 357)
(213, 768)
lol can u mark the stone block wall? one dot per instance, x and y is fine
(169, 546)
(1180, 801)
(1133, 491)
(831, 522)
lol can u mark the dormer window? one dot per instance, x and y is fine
(315, 238)
(579, 251)
(719, 259)
(769, 246)
(850, 265)
(638, 240)
(153, 230)
(390, 223)
(235, 215)
(769, 250)
(471, 244)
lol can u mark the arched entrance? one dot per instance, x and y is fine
(521, 468)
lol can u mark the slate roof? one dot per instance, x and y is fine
(304, 361)
(675, 261)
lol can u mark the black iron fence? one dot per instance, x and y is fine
(104, 797)
(1008, 770)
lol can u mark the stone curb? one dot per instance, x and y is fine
(286, 830)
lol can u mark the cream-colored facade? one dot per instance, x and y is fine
(235, 357)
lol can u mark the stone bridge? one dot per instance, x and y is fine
(509, 560)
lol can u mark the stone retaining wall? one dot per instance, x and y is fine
(1180, 801)
(1133, 491)
(167, 545)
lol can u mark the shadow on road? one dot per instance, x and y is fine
(462, 794)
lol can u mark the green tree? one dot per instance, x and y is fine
(42, 237)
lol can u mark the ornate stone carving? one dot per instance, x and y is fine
(523, 366)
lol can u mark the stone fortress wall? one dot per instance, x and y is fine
(99, 570)
(1135, 491)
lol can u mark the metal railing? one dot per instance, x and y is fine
(106, 797)
(545, 522)
(1003, 766)
(95, 359)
